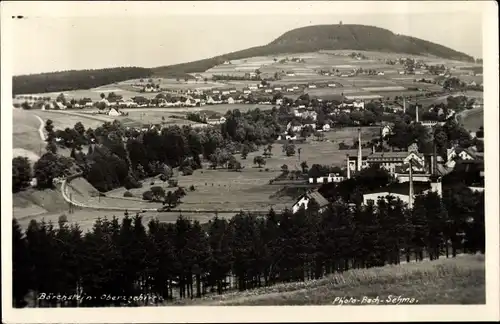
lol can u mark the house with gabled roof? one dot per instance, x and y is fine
(305, 199)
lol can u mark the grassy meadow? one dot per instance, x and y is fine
(459, 280)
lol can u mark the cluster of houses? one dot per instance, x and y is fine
(415, 172)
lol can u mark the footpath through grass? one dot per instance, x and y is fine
(446, 281)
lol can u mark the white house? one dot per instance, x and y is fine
(113, 112)
(304, 200)
(457, 153)
(312, 86)
(279, 101)
(60, 105)
(386, 131)
(277, 88)
(286, 137)
(215, 91)
(216, 121)
(326, 127)
(332, 85)
(212, 101)
(247, 91)
(230, 100)
(268, 90)
(359, 105)
(290, 90)
(332, 177)
(295, 87)
(380, 73)
(253, 87)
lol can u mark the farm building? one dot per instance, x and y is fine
(304, 200)
(458, 154)
(332, 177)
(216, 121)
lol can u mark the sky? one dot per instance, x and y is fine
(156, 34)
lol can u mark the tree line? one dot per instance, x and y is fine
(74, 80)
(187, 259)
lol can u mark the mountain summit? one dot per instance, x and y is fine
(326, 37)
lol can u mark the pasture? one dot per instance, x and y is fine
(63, 119)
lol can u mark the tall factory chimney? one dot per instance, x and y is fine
(416, 111)
(348, 167)
(434, 160)
(360, 156)
(404, 105)
(410, 200)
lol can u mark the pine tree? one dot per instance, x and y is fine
(21, 276)
(221, 258)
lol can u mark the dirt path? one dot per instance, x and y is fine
(40, 129)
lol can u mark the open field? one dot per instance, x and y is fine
(459, 280)
(63, 119)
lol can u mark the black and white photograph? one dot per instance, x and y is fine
(172, 155)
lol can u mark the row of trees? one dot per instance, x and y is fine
(188, 260)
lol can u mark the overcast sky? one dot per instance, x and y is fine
(154, 34)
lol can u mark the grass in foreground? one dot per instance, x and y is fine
(445, 281)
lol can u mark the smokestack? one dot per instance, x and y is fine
(360, 157)
(348, 168)
(373, 148)
(434, 160)
(416, 111)
(410, 201)
(404, 105)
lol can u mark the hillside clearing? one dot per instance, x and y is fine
(460, 280)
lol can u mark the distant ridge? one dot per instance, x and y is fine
(300, 40)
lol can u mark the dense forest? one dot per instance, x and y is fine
(168, 261)
(74, 80)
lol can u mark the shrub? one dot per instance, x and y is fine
(147, 195)
(267, 170)
(152, 183)
(191, 188)
(172, 182)
(187, 171)
(131, 183)
(128, 194)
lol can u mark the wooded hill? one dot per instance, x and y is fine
(300, 40)
(326, 37)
